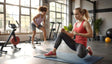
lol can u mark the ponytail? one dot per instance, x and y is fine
(84, 12)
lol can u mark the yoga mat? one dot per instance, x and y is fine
(72, 58)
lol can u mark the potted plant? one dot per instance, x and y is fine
(97, 25)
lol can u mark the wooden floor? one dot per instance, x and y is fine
(27, 53)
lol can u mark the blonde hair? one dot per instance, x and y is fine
(84, 12)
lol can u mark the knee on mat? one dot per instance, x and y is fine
(81, 55)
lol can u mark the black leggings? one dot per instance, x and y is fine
(81, 49)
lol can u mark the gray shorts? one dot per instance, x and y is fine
(33, 26)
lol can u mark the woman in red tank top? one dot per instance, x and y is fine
(82, 30)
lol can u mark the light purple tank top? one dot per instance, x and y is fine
(39, 20)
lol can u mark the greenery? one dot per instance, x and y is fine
(68, 28)
(97, 25)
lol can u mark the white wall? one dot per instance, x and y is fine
(104, 4)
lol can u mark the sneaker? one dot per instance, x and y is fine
(45, 44)
(33, 46)
(50, 54)
(90, 52)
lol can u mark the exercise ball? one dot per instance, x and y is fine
(109, 33)
(107, 39)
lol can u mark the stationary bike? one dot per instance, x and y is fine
(53, 29)
(14, 40)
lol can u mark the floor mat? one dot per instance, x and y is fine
(72, 58)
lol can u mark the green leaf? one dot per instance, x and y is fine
(68, 28)
(65, 27)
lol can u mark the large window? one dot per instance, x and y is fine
(58, 12)
(22, 11)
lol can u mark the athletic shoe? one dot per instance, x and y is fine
(33, 45)
(90, 52)
(45, 44)
(50, 54)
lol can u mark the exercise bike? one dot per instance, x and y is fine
(53, 29)
(14, 40)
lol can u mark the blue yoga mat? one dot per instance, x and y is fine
(72, 58)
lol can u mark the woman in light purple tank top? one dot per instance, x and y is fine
(37, 20)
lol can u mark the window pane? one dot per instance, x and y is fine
(58, 15)
(1, 22)
(64, 8)
(25, 24)
(25, 2)
(25, 11)
(1, 0)
(58, 20)
(34, 12)
(52, 6)
(35, 3)
(1, 8)
(58, 7)
(12, 14)
(12, 9)
(61, 1)
(64, 22)
(13, 2)
(52, 16)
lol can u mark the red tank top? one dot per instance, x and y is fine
(80, 29)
